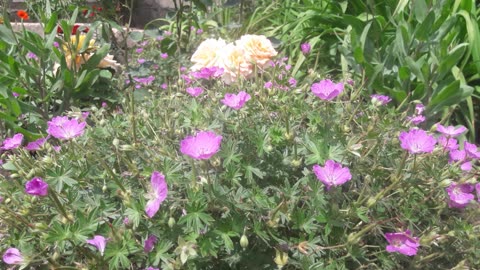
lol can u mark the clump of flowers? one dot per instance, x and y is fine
(236, 59)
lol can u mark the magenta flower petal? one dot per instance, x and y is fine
(402, 243)
(157, 195)
(471, 150)
(36, 145)
(460, 195)
(64, 128)
(379, 100)
(448, 144)
(36, 187)
(451, 131)
(150, 243)
(417, 141)
(201, 146)
(12, 143)
(99, 242)
(12, 256)
(416, 119)
(236, 101)
(332, 174)
(194, 91)
(326, 89)
(305, 48)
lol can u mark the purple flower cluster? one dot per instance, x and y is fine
(379, 100)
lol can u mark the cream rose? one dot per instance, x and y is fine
(207, 54)
(258, 49)
(234, 63)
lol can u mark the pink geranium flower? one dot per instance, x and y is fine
(471, 150)
(12, 143)
(332, 174)
(36, 187)
(305, 48)
(99, 242)
(36, 145)
(326, 89)
(417, 141)
(157, 195)
(379, 100)
(201, 146)
(451, 131)
(460, 195)
(448, 143)
(12, 256)
(236, 101)
(402, 243)
(64, 128)
(194, 91)
(150, 243)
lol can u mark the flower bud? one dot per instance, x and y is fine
(371, 201)
(215, 162)
(104, 188)
(14, 175)
(102, 122)
(8, 200)
(127, 147)
(296, 163)
(171, 222)
(47, 160)
(288, 136)
(244, 242)
(281, 258)
(445, 183)
(346, 128)
(115, 142)
(40, 226)
(55, 256)
(268, 148)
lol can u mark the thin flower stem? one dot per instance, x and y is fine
(17, 216)
(194, 173)
(112, 174)
(58, 204)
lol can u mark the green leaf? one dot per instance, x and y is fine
(420, 10)
(7, 35)
(454, 56)
(52, 23)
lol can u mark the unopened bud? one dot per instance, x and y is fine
(115, 142)
(296, 163)
(127, 147)
(346, 128)
(14, 175)
(268, 148)
(288, 136)
(47, 160)
(171, 222)
(281, 258)
(104, 188)
(445, 183)
(215, 162)
(244, 241)
(371, 201)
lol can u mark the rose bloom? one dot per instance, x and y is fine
(207, 54)
(234, 64)
(258, 49)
